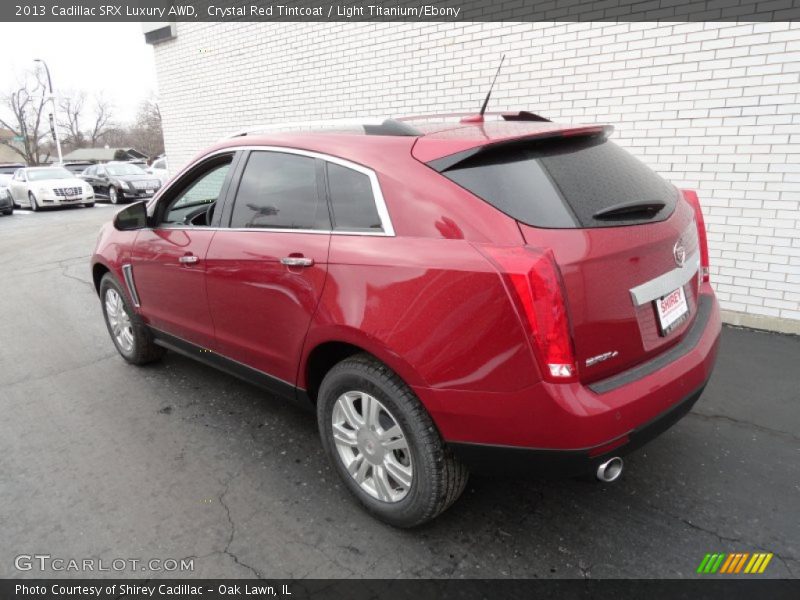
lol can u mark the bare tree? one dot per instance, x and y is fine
(146, 135)
(24, 115)
(103, 120)
(73, 113)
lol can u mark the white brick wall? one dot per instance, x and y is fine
(713, 106)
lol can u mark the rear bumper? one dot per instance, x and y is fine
(570, 423)
(483, 458)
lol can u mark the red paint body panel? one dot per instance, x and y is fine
(426, 302)
(571, 416)
(437, 303)
(599, 267)
(172, 294)
(262, 308)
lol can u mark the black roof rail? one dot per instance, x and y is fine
(392, 127)
(369, 126)
(524, 115)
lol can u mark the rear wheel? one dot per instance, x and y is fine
(8, 211)
(130, 335)
(384, 444)
(33, 202)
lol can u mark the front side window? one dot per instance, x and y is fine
(352, 200)
(198, 195)
(279, 191)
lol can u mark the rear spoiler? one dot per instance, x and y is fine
(522, 115)
(448, 162)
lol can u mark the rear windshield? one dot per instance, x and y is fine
(565, 182)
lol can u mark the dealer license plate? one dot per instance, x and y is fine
(672, 309)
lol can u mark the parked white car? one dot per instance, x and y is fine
(159, 169)
(38, 187)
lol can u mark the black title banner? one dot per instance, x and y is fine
(365, 589)
(399, 10)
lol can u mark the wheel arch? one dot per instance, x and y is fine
(98, 272)
(323, 353)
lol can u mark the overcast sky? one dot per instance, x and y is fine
(95, 57)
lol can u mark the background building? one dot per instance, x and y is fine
(712, 106)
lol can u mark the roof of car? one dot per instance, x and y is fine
(430, 136)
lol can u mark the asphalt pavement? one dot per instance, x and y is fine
(103, 460)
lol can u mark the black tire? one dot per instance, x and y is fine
(9, 211)
(113, 195)
(144, 349)
(32, 200)
(438, 479)
(89, 205)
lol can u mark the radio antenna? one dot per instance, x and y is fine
(479, 117)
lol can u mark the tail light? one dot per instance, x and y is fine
(534, 281)
(691, 197)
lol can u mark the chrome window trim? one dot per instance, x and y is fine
(127, 273)
(377, 194)
(279, 230)
(666, 283)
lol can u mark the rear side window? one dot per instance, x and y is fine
(352, 200)
(279, 191)
(565, 182)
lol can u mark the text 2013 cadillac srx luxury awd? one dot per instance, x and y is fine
(501, 293)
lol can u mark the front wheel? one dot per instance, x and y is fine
(384, 444)
(89, 205)
(33, 202)
(130, 336)
(113, 196)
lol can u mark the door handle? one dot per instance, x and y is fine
(297, 261)
(189, 259)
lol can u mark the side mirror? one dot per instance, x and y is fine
(132, 217)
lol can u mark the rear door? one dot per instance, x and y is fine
(267, 266)
(619, 232)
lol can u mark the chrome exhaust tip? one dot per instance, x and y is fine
(610, 470)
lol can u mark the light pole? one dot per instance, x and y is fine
(53, 125)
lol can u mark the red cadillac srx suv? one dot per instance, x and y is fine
(501, 293)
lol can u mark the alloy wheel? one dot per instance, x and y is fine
(119, 321)
(112, 195)
(372, 446)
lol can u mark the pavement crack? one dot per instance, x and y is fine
(719, 536)
(749, 424)
(60, 372)
(64, 273)
(232, 534)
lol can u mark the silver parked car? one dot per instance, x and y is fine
(37, 187)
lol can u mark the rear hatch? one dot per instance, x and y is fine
(618, 231)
